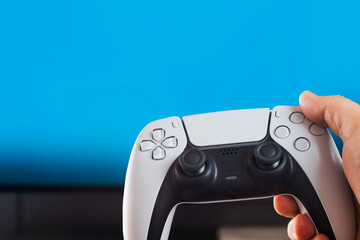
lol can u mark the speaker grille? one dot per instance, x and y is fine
(229, 151)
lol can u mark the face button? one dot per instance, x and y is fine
(170, 142)
(297, 117)
(282, 132)
(316, 129)
(267, 155)
(158, 153)
(192, 162)
(158, 134)
(302, 144)
(146, 145)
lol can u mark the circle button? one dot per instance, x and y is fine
(282, 132)
(316, 129)
(297, 117)
(302, 144)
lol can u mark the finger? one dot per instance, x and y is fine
(342, 116)
(320, 237)
(338, 113)
(286, 206)
(301, 228)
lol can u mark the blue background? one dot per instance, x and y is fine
(80, 79)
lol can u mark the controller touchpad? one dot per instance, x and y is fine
(227, 127)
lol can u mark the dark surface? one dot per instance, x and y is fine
(192, 162)
(252, 181)
(96, 214)
(267, 155)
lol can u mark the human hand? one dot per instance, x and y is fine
(342, 116)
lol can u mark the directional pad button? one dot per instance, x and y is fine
(170, 142)
(159, 144)
(158, 153)
(158, 134)
(147, 145)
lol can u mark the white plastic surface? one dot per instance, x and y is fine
(282, 132)
(303, 210)
(167, 226)
(145, 176)
(321, 162)
(323, 166)
(227, 127)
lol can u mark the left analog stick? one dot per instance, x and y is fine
(192, 162)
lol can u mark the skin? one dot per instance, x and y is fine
(342, 116)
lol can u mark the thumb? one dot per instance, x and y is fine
(342, 116)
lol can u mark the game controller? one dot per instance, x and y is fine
(232, 156)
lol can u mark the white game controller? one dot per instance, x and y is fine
(232, 156)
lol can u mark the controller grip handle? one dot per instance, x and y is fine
(163, 213)
(309, 204)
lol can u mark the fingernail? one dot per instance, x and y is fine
(306, 95)
(311, 94)
(291, 230)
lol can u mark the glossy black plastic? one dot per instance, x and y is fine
(267, 155)
(235, 172)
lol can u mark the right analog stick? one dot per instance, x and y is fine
(267, 155)
(192, 162)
